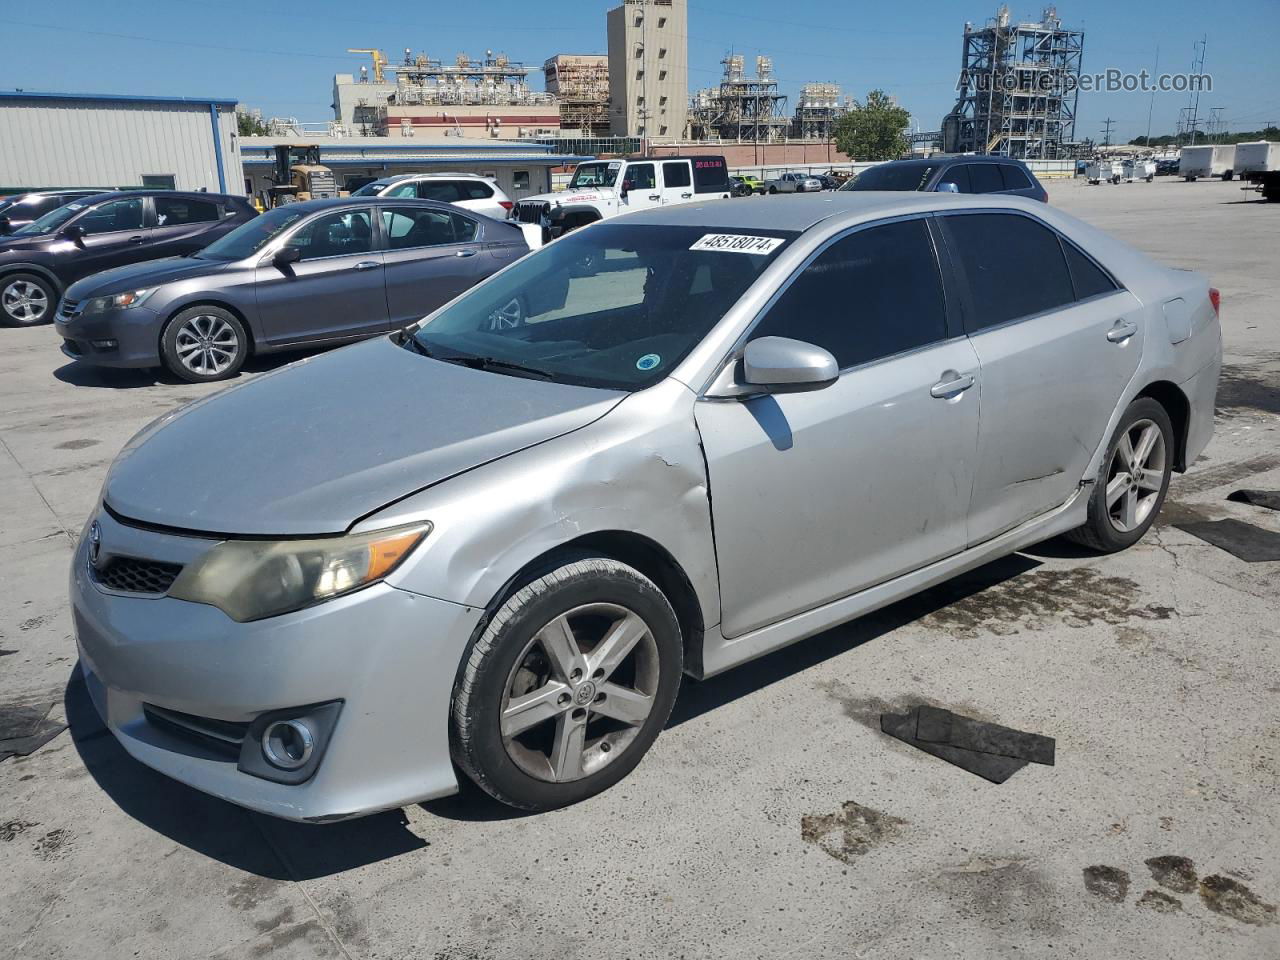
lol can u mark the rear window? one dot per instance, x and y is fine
(1088, 277)
(892, 176)
(451, 191)
(710, 175)
(174, 211)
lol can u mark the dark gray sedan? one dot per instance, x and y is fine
(319, 272)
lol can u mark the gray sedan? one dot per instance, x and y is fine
(313, 273)
(485, 543)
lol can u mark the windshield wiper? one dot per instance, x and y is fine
(414, 344)
(493, 363)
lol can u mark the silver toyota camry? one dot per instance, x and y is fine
(496, 541)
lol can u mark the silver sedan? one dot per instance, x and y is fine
(495, 541)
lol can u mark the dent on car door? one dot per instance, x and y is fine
(1057, 342)
(334, 291)
(818, 495)
(116, 233)
(432, 255)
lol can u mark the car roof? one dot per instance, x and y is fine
(800, 212)
(397, 177)
(183, 194)
(331, 203)
(937, 161)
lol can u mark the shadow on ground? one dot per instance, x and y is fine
(276, 848)
(222, 831)
(80, 374)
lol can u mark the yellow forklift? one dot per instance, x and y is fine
(299, 175)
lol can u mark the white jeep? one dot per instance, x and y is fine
(601, 189)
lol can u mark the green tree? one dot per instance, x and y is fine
(250, 126)
(875, 129)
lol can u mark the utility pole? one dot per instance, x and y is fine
(1155, 72)
(1107, 124)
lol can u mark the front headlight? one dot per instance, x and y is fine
(118, 301)
(253, 579)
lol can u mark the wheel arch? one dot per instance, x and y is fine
(1170, 396)
(44, 272)
(638, 551)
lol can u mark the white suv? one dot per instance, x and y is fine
(468, 190)
(601, 189)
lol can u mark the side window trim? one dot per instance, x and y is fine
(1064, 241)
(741, 342)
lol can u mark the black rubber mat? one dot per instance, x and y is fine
(989, 766)
(943, 726)
(1258, 498)
(1250, 543)
(25, 728)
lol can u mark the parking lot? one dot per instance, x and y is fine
(772, 818)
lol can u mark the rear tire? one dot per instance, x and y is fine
(204, 344)
(567, 686)
(1132, 482)
(27, 300)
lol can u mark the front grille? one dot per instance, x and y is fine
(131, 575)
(70, 309)
(225, 736)
(531, 212)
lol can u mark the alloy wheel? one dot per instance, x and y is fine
(1135, 477)
(25, 301)
(580, 692)
(206, 345)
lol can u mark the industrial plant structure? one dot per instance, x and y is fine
(1019, 85)
(742, 109)
(580, 84)
(487, 96)
(648, 69)
(817, 111)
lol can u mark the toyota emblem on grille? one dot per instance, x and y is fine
(95, 542)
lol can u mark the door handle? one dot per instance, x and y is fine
(685, 196)
(465, 253)
(1122, 330)
(367, 265)
(136, 239)
(951, 384)
(655, 196)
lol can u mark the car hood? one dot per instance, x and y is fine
(314, 447)
(139, 276)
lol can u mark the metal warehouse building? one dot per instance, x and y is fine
(94, 140)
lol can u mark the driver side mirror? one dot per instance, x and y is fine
(6, 226)
(626, 188)
(74, 233)
(286, 255)
(783, 365)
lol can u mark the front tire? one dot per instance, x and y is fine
(26, 300)
(203, 344)
(1133, 481)
(567, 686)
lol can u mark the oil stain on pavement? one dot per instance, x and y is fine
(1176, 873)
(1106, 882)
(851, 832)
(1159, 902)
(1233, 899)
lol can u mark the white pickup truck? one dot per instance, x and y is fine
(601, 189)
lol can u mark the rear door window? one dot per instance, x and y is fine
(676, 174)
(174, 211)
(872, 294)
(1013, 264)
(410, 227)
(985, 177)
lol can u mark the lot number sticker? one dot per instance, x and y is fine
(738, 243)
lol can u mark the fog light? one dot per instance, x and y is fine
(105, 344)
(287, 744)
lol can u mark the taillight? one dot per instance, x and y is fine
(506, 205)
(1215, 298)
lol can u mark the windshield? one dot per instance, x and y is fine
(615, 306)
(595, 175)
(51, 221)
(247, 239)
(892, 176)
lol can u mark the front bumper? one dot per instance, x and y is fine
(135, 336)
(389, 655)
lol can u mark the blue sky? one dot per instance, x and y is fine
(257, 52)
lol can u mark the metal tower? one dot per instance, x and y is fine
(1018, 89)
